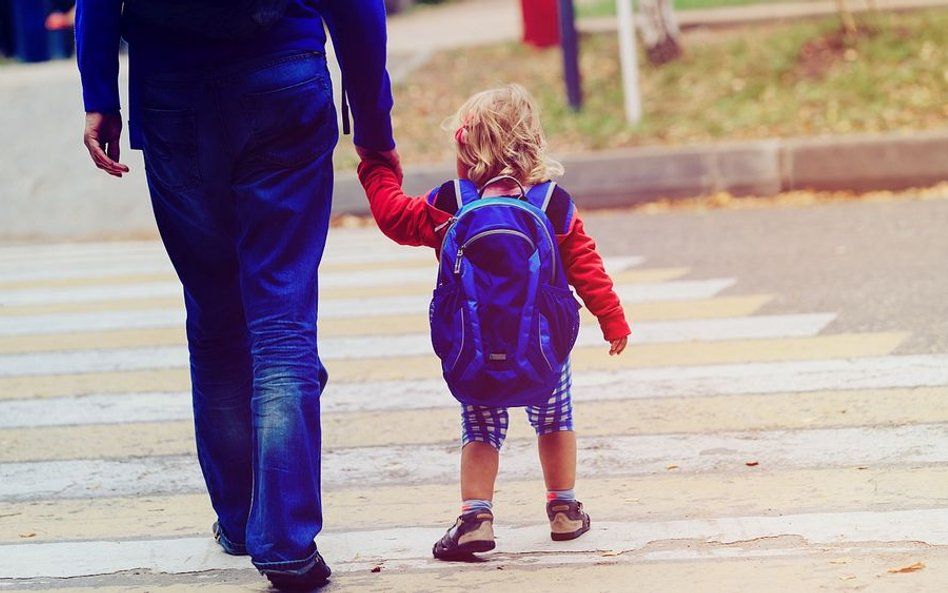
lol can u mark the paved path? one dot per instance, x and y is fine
(728, 450)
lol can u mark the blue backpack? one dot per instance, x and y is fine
(503, 319)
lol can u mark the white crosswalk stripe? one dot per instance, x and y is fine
(437, 463)
(360, 551)
(673, 382)
(337, 348)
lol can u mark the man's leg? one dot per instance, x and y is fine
(283, 190)
(194, 213)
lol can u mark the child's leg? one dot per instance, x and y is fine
(556, 442)
(483, 434)
(558, 459)
(479, 462)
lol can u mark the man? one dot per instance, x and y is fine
(231, 103)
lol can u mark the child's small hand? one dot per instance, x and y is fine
(618, 345)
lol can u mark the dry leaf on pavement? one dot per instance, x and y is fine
(909, 568)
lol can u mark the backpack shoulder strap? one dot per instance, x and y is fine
(555, 202)
(451, 195)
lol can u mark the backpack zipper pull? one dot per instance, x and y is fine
(457, 261)
(448, 222)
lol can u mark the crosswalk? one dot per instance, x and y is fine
(726, 437)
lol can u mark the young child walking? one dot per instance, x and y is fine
(501, 152)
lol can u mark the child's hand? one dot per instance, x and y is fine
(617, 346)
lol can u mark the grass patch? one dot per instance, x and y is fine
(801, 79)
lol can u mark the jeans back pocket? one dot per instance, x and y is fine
(171, 147)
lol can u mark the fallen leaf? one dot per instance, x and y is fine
(376, 569)
(670, 467)
(610, 553)
(751, 463)
(847, 578)
(909, 568)
(28, 534)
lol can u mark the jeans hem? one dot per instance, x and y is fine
(230, 547)
(289, 567)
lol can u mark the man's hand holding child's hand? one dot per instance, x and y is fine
(390, 157)
(617, 346)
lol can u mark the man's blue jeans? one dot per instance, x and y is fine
(239, 166)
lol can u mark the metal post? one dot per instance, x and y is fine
(629, 62)
(570, 43)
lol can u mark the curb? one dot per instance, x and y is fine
(627, 177)
(93, 206)
(759, 14)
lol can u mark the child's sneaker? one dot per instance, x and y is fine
(473, 532)
(568, 520)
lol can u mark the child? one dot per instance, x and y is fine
(498, 133)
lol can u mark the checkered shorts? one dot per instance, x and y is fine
(489, 425)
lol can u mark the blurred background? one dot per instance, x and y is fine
(699, 74)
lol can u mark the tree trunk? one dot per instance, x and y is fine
(660, 32)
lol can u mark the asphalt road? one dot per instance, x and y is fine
(882, 265)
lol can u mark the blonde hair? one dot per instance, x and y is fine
(498, 132)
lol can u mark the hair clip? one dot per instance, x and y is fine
(460, 135)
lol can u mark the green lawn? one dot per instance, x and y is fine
(797, 79)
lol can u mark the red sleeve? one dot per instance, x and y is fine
(404, 219)
(585, 271)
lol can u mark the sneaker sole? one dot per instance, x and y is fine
(562, 537)
(463, 551)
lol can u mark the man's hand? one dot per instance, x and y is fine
(617, 346)
(389, 156)
(101, 138)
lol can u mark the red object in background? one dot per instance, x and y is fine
(541, 27)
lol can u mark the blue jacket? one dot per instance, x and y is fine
(357, 28)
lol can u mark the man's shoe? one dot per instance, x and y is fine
(232, 548)
(473, 532)
(309, 577)
(568, 520)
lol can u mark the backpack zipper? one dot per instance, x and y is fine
(457, 261)
(461, 347)
(517, 204)
(542, 353)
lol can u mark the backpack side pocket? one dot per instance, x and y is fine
(444, 317)
(560, 309)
